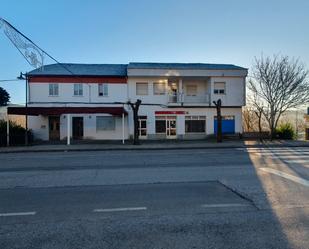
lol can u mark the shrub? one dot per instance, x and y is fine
(17, 134)
(285, 131)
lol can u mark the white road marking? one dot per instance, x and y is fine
(290, 206)
(296, 161)
(120, 209)
(17, 214)
(287, 176)
(276, 151)
(224, 205)
(280, 152)
(291, 156)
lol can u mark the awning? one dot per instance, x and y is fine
(35, 111)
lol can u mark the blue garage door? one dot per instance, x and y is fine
(228, 124)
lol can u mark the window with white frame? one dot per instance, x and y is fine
(195, 124)
(53, 89)
(191, 90)
(78, 89)
(103, 89)
(159, 88)
(105, 123)
(141, 88)
(160, 124)
(142, 126)
(219, 88)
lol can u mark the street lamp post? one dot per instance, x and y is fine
(24, 76)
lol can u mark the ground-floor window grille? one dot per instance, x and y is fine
(195, 124)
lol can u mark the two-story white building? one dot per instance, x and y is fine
(87, 101)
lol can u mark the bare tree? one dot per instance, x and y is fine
(280, 83)
(258, 107)
(248, 118)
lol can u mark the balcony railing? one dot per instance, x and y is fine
(183, 98)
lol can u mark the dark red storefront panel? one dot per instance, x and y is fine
(170, 112)
(35, 111)
(77, 79)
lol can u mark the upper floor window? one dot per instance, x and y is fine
(219, 88)
(53, 89)
(78, 89)
(141, 88)
(191, 90)
(159, 88)
(103, 89)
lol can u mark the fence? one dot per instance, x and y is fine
(256, 135)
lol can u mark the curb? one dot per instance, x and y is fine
(150, 148)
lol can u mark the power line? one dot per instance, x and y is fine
(9, 80)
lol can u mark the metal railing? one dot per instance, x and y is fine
(183, 98)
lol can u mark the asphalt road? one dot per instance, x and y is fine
(226, 198)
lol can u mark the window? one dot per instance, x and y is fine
(103, 90)
(195, 124)
(141, 88)
(191, 90)
(105, 123)
(160, 124)
(219, 88)
(78, 89)
(159, 88)
(53, 89)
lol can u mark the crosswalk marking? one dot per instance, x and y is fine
(298, 155)
(286, 176)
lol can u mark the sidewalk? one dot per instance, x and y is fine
(154, 145)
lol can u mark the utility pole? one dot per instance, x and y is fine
(218, 104)
(24, 76)
(135, 107)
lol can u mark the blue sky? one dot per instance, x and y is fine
(119, 31)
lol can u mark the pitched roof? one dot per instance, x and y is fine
(198, 66)
(120, 70)
(65, 69)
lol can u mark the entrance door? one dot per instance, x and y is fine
(228, 125)
(171, 128)
(142, 127)
(54, 128)
(173, 92)
(78, 127)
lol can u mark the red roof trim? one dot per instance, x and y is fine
(171, 112)
(35, 111)
(77, 79)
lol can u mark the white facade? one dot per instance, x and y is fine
(176, 103)
(39, 93)
(188, 105)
